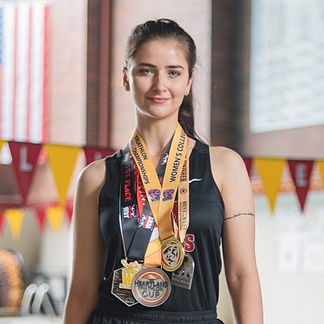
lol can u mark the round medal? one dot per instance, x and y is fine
(172, 254)
(151, 287)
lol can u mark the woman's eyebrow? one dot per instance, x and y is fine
(146, 64)
(175, 67)
(168, 66)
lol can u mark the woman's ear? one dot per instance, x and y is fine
(125, 79)
(187, 91)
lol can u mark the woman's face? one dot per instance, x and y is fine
(158, 78)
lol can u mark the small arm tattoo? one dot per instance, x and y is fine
(239, 214)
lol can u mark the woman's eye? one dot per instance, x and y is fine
(174, 73)
(145, 71)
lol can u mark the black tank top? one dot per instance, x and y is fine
(203, 235)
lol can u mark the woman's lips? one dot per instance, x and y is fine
(158, 100)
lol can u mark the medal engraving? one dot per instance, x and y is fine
(183, 276)
(151, 287)
(128, 273)
(122, 282)
(172, 254)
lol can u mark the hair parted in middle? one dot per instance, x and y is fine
(168, 29)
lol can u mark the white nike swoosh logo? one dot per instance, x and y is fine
(195, 179)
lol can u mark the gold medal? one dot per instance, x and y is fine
(122, 282)
(128, 272)
(172, 254)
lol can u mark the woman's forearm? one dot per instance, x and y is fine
(78, 308)
(247, 300)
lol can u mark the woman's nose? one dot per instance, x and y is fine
(159, 84)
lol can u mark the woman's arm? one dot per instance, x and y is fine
(238, 235)
(88, 247)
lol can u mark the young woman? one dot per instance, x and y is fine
(166, 200)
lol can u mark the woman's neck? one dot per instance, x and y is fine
(156, 134)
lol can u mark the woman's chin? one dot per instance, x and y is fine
(158, 113)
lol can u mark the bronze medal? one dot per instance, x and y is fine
(151, 287)
(172, 254)
(122, 282)
(183, 276)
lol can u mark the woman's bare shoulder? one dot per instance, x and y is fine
(225, 157)
(224, 153)
(93, 176)
(225, 162)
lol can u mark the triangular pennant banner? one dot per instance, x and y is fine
(42, 158)
(320, 165)
(1, 220)
(1, 143)
(301, 171)
(270, 171)
(40, 214)
(55, 216)
(15, 218)
(93, 154)
(248, 165)
(69, 212)
(24, 160)
(62, 160)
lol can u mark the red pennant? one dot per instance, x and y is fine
(248, 164)
(69, 211)
(301, 171)
(1, 220)
(41, 217)
(24, 159)
(93, 154)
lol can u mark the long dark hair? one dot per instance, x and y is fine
(166, 29)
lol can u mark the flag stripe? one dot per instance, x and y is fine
(37, 74)
(15, 51)
(1, 47)
(8, 69)
(30, 40)
(46, 65)
(23, 70)
(22, 78)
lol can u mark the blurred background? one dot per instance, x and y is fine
(259, 89)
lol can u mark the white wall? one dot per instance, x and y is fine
(284, 240)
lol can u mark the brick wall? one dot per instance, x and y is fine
(67, 97)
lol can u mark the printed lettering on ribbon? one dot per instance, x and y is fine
(301, 171)
(24, 160)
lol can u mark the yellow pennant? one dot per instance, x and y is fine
(320, 165)
(270, 171)
(15, 218)
(1, 143)
(62, 160)
(55, 216)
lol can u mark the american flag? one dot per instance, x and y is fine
(24, 54)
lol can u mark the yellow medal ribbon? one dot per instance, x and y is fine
(161, 207)
(183, 203)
